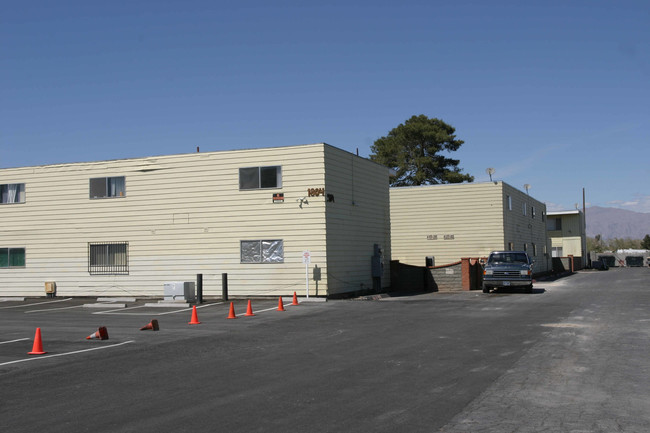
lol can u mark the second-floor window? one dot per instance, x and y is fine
(103, 187)
(260, 177)
(12, 193)
(554, 224)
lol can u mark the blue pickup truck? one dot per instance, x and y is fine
(508, 269)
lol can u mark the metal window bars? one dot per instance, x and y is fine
(108, 258)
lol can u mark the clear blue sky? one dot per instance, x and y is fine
(555, 94)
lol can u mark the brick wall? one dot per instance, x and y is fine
(447, 277)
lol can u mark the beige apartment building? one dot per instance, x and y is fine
(567, 231)
(448, 222)
(126, 227)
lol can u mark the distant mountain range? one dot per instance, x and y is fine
(617, 223)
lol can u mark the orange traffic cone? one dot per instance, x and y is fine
(195, 317)
(231, 313)
(100, 334)
(280, 305)
(37, 349)
(295, 299)
(249, 309)
(153, 325)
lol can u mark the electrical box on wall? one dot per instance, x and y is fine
(179, 291)
(50, 289)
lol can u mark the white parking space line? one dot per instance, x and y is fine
(38, 303)
(66, 353)
(14, 341)
(120, 312)
(52, 309)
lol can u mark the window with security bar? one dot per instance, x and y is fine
(108, 258)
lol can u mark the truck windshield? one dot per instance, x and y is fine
(508, 258)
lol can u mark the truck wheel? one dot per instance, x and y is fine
(529, 288)
(486, 289)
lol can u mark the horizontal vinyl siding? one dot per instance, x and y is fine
(472, 213)
(182, 215)
(571, 237)
(571, 225)
(356, 220)
(524, 229)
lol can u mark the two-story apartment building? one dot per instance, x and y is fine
(125, 227)
(567, 231)
(448, 222)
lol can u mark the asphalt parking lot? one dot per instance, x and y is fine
(573, 357)
(64, 321)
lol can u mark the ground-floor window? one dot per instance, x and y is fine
(556, 252)
(12, 257)
(108, 258)
(262, 251)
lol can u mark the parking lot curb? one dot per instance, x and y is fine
(115, 299)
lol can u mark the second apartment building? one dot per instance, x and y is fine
(448, 222)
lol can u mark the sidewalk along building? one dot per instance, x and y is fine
(438, 225)
(567, 232)
(126, 227)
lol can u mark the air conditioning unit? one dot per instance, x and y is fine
(179, 291)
